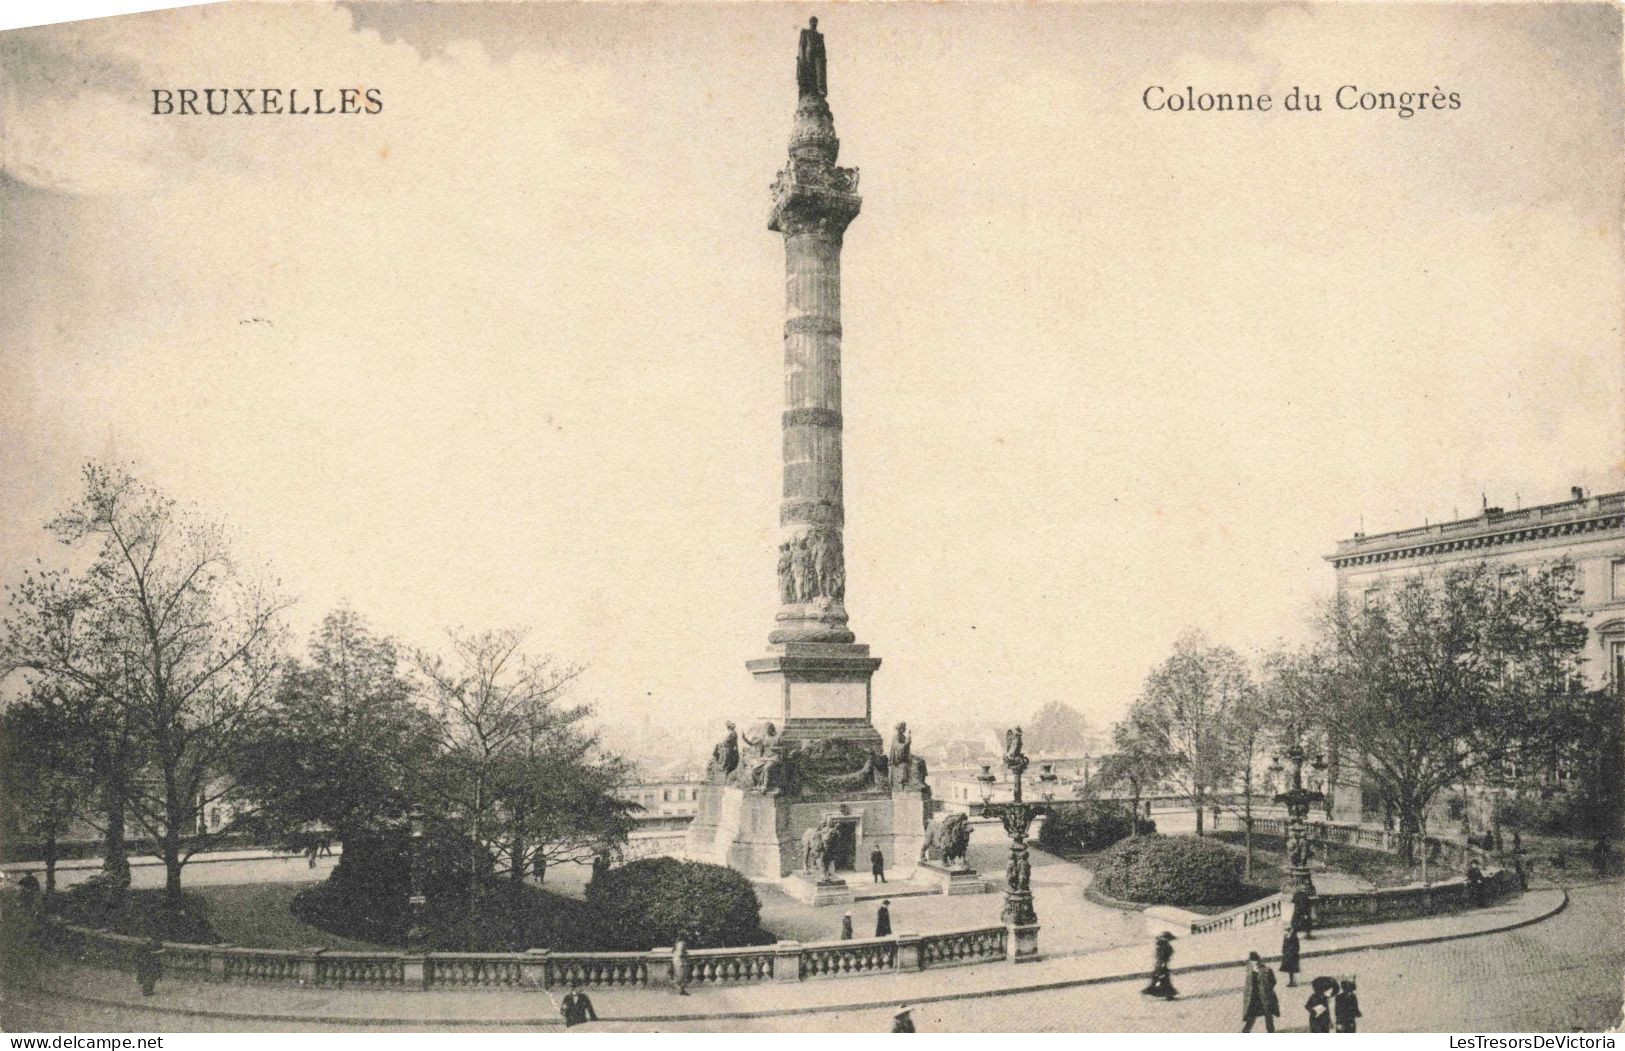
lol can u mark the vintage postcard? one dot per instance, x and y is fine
(868, 517)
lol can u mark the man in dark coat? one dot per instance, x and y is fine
(29, 886)
(1258, 996)
(846, 927)
(149, 965)
(577, 1008)
(883, 919)
(1303, 913)
(877, 865)
(903, 1020)
(1289, 955)
(1162, 981)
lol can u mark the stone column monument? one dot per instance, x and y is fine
(815, 675)
(813, 793)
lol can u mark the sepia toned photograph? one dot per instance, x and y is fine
(505, 532)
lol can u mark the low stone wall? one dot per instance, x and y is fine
(540, 968)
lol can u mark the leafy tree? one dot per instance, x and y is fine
(1057, 728)
(46, 780)
(1184, 715)
(344, 742)
(166, 633)
(1449, 677)
(1138, 763)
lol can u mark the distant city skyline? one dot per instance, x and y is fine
(508, 352)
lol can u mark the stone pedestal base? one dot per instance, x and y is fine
(810, 890)
(761, 836)
(1023, 943)
(952, 881)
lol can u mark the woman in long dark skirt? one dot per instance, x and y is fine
(1319, 1004)
(1162, 983)
(1289, 955)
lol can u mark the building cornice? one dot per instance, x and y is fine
(1576, 518)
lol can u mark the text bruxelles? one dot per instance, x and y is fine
(297, 102)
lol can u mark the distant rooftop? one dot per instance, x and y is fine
(1494, 526)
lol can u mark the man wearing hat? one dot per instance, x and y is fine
(1258, 996)
(883, 919)
(846, 927)
(903, 1020)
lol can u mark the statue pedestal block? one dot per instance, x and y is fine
(952, 881)
(817, 890)
(1023, 943)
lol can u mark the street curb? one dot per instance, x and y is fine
(533, 1023)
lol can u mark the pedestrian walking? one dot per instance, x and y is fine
(149, 965)
(310, 854)
(1162, 975)
(903, 1020)
(1258, 996)
(846, 927)
(1289, 955)
(1346, 1007)
(877, 866)
(327, 846)
(577, 1008)
(1475, 884)
(679, 964)
(1319, 1004)
(883, 919)
(1303, 913)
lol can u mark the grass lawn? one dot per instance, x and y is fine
(256, 915)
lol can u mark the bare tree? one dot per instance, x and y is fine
(490, 702)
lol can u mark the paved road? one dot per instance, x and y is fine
(1561, 974)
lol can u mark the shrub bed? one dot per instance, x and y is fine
(651, 902)
(1172, 870)
(1088, 826)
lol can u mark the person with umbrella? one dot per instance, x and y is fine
(903, 1020)
(1319, 1004)
(1162, 983)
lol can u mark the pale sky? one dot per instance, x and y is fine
(509, 352)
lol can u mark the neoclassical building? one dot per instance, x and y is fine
(1588, 531)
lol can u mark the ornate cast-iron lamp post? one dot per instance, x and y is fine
(1300, 885)
(1017, 817)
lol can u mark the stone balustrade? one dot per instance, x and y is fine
(541, 968)
(1371, 906)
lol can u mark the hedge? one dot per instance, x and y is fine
(652, 902)
(1088, 826)
(1171, 870)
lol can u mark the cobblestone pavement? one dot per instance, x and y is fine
(1560, 972)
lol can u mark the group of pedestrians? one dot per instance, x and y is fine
(1333, 1004)
(882, 922)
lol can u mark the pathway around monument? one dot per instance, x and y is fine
(190, 1005)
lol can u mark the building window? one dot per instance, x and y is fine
(1616, 665)
(1373, 597)
(665, 795)
(1617, 583)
